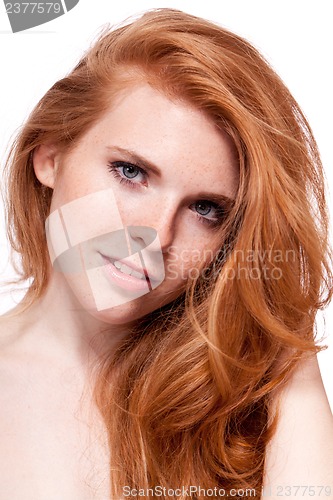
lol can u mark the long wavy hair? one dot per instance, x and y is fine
(186, 397)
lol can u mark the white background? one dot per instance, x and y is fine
(295, 36)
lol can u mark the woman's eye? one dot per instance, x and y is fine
(209, 212)
(203, 207)
(125, 172)
(130, 171)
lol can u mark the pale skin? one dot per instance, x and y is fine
(53, 440)
(301, 451)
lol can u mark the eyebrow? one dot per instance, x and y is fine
(139, 161)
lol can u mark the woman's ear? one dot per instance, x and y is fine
(45, 161)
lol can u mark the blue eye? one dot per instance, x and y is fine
(128, 171)
(204, 208)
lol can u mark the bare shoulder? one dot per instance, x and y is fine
(21, 369)
(301, 451)
(48, 444)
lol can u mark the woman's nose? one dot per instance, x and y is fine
(157, 233)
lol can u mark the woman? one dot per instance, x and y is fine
(167, 200)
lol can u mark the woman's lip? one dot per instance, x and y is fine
(125, 280)
(132, 266)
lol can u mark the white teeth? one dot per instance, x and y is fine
(136, 274)
(128, 270)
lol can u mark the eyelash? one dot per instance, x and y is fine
(114, 167)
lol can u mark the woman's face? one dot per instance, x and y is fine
(144, 186)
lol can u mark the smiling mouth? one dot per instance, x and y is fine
(127, 273)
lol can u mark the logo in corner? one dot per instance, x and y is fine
(25, 15)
